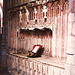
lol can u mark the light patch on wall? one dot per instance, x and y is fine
(73, 29)
(1, 1)
(1, 12)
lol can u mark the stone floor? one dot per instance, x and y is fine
(3, 65)
(4, 73)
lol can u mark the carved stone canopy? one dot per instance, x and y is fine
(37, 32)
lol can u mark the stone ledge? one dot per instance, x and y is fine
(53, 61)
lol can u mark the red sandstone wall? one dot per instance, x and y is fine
(56, 17)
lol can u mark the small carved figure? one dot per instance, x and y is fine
(44, 12)
(20, 15)
(27, 14)
(35, 13)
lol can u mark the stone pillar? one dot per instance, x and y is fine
(70, 63)
(55, 12)
(30, 16)
(38, 15)
(14, 31)
(44, 14)
(55, 26)
(35, 15)
(54, 39)
(20, 15)
(49, 13)
(17, 23)
(23, 18)
(30, 13)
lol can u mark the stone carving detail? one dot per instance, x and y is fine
(20, 15)
(44, 12)
(35, 13)
(27, 14)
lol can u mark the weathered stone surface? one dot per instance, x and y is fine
(36, 66)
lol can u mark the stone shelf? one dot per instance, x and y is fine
(53, 61)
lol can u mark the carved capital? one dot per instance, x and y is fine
(49, 4)
(56, 2)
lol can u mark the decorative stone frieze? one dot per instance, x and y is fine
(23, 65)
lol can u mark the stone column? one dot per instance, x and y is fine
(17, 23)
(9, 35)
(23, 18)
(54, 39)
(30, 16)
(38, 15)
(70, 63)
(44, 13)
(55, 26)
(35, 15)
(55, 12)
(49, 13)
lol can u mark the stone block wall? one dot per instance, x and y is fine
(28, 16)
(21, 65)
(50, 15)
